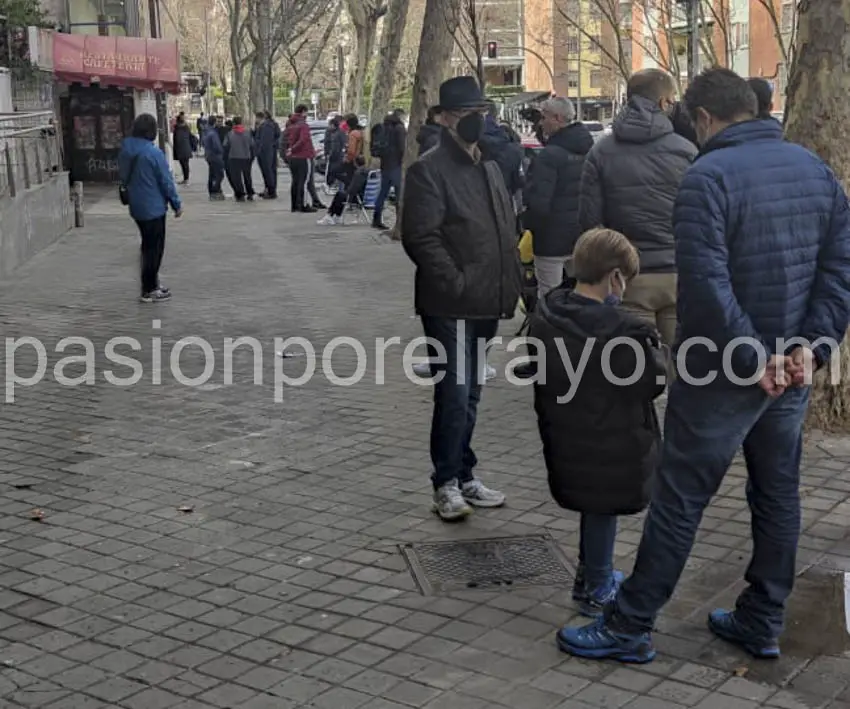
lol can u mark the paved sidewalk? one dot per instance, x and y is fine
(279, 584)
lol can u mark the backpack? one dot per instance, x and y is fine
(379, 141)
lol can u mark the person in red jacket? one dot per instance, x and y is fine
(300, 152)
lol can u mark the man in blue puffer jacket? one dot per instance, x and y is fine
(762, 230)
(143, 171)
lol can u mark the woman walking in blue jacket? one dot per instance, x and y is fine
(144, 173)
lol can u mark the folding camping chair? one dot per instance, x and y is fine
(361, 206)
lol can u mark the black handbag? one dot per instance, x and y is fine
(123, 193)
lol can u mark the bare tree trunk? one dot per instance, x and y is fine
(818, 101)
(432, 68)
(383, 84)
(364, 16)
(257, 87)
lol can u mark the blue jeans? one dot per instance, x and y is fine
(703, 429)
(389, 178)
(457, 394)
(596, 549)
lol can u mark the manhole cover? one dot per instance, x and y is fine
(487, 564)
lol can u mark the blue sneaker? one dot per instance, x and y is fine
(726, 626)
(597, 642)
(594, 602)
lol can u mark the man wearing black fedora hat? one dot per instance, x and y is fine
(458, 228)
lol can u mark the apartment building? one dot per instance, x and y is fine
(574, 48)
(493, 31)
(585, 49)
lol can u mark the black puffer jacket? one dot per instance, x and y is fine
(631, 179)
(496, 145)
(459, 228)
(601, 444)
(428, 137)
(552, 191)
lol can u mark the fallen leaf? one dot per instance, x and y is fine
(186, 509)
(37, 515)
(741, 671)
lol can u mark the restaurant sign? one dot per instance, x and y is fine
(117, 61)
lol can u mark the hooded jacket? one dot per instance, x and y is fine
(459, 228)
(428, 137)
(630, 181)
(183, 141)
(213, 149)
(601, 443)
(496, 145)
(267, 140)
(298, 139)
(240, 144)
(552, 191)
(142, 168)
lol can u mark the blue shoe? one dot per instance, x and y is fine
(597, 642)
(594, 602)
(726, 626)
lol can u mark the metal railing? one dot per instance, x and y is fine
(30, 150)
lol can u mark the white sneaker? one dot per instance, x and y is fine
(422, 369)
(449, 503)
(328, 220)
(489, 373)
(477, 495)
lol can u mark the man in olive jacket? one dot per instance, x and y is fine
(458, 227)
(630, 182)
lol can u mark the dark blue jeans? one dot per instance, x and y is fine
(389, 179)
(215, 177)
(457, 394)
(703, 429)
(596, 549)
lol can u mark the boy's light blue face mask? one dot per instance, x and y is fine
(612, 298)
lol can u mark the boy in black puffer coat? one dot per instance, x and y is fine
(600, 433)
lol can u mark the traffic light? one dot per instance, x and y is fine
(492, 50)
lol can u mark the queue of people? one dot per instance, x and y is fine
(713, 229)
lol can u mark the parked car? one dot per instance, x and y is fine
(597, 130)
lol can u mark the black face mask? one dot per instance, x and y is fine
(470, 128)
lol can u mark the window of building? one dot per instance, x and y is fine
(594, 11)
(572, 79)
(741, 35)
(789, 11)
(594, 41)
(625, 14)
(595, 79)
(572, 44)
(781, 79)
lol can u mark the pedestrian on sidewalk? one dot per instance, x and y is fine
(267, 136)
(335, 143)
(300, 153)
(430, 132)
(143, 172)
(552, 191)
(240, 151)
(183, 145)
(388, 144)
(762, 230)
(630, 181)
(459, 231)
(601, 445)
(214, 155)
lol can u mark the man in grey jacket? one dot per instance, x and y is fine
(240, 151)
(630, 182)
